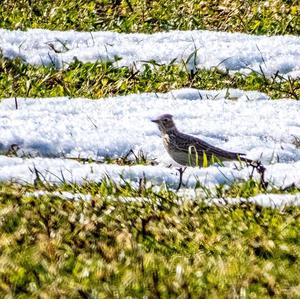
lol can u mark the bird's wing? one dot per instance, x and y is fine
(186, 143)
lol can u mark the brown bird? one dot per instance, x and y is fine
(188, 150)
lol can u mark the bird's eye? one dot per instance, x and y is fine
(165, 120)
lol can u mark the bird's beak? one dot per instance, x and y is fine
(155, 120)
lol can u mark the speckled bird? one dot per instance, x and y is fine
(188, 150)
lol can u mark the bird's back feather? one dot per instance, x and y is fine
(185, 149)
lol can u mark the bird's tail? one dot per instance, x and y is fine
(254, 163)
(248, 161)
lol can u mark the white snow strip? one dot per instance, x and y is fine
(265, 200)
(271, 200)
(59, 171)
(63, 127)
(60, 194)
(240, 121)
(197, 49)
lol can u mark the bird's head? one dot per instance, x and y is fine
(165, 123)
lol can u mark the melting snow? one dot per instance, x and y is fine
(47, 131)
(266, 200)
(197, 49)
(63, 127)
(44, 132)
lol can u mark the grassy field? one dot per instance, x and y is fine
(162, 246)
(258, 17)
(99, 79)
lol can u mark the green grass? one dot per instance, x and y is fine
(95, 80)
(258, 17)
(163, 246)
(159, 248)
(100, 79)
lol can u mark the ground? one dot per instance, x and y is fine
(107, 238)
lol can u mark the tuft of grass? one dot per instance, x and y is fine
(258, 17)
(102, 79)
(159, 247)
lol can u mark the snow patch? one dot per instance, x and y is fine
(196, 49)
(47, 134)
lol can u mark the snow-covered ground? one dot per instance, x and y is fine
(60, 170)
(61, 127)
(200, 49)
(42, 135)
(46, 131)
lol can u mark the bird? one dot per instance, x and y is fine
(188, 150)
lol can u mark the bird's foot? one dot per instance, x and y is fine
(181, 170)
(260, 170)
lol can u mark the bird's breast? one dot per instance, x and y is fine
(166, 140)
(169, 142)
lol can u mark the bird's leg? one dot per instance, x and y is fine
(261, 170)
(253, 167)
(181, 171)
